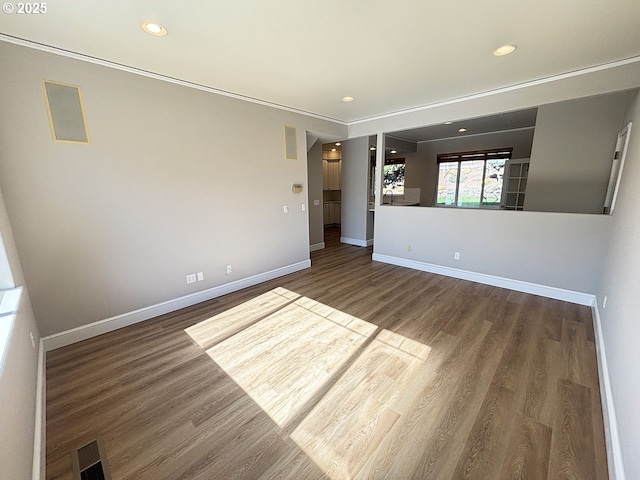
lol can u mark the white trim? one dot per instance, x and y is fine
(517, 285)
(84, 332)
(369, 242)
(126, 68)
(177, 81)
(40, 432)
(316, 246)
(355, 241)
(626, 131)
(612, 438)
(498, 91)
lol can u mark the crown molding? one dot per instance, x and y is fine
(156, 76)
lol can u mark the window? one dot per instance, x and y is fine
(471, 179)
(393, 176)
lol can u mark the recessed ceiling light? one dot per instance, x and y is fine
(448, 123)
(462, 130)
(333, 150)
(372, 148)
(338, 144)
(154, 29)
(393, 151)
(347, 99)
(504, 50)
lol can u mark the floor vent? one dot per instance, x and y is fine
(90, 462)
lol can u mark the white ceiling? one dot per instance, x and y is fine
(473, 126)
(307, 55)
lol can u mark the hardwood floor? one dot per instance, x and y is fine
(349, 369)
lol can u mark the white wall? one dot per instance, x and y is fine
(572, 153)
(355, 190)
(175, 181)
(18, 375)
(621, 284)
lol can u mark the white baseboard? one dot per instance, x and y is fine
(316, 246)
(612, 438)
(518, 285)
(355, 241)
(39, 434)
(84, 332)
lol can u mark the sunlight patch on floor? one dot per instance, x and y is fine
(283, 349)
(220, 326)
(349, 423)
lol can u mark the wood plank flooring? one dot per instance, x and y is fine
(351, 369)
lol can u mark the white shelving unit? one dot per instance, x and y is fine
(515, 183)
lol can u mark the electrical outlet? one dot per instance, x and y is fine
(456, 256)
(409, 248)
(229, 269)
(191, 278)
(200, 276)
(33, 342)
(286, 209)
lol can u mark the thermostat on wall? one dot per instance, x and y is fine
(297, 188)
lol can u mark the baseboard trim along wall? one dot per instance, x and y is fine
(614, 451)
(355, 241)
(612, 439)
(518, 285)
(84, 332)
(39, 436)
(316, 246)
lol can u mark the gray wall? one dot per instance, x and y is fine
(621, 284)
(572, 153)
(422, 167)
(175, 181)
(355, 188)
(18, 376)
(553, 249)
(314, 181)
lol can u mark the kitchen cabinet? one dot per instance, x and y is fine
(326, 213)
(331, 174)
(331, 212)
(337, 216)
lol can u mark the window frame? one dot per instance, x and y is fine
(505, 154)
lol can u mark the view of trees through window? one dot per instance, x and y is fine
(471, 179)
(393, 177)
